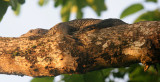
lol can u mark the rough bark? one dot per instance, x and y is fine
(37, 54)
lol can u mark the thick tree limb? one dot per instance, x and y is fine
(118, 46)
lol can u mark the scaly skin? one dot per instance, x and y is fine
(71, 26)
(80, 25)
(83, 25)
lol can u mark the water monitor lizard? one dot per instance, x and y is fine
(70, 27)
(83, 24)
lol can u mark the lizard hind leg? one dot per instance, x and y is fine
(60, 29)
(146, 67)
(65, 29)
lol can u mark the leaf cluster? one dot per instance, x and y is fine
(146, 16)
(95, 76)
(15, 4)
(68, 7)
(76, 6)
(135, 73)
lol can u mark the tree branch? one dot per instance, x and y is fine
(39, 54)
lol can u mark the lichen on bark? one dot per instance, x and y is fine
(43, 54)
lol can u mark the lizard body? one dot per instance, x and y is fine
(71, 26)
(103, 24)
(83, 25)
(80, 25)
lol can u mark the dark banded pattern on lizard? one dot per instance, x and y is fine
(72, 26)
(83, 24)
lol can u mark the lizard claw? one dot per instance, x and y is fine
(146, 67)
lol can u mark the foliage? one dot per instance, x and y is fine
(132, 9)
(44, 79)
(68, 6)
(95, 76)
(151, 1)
(15, 4)
(3, 8)
(135, 72)
(76, 6)
(150, 76)
(147, 16)
(43, 2)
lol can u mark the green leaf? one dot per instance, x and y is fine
(77, 5)
(14, 4)
(106, 72)
(73, 78)
(97, 5)
(132, 68)
(80, 4)
(79, 14)
(149, 16)
(139, 75)
(42, 2)
(131, 10)
(119, 74)
(65, 11)
(59, 2)
(95, 76)
(151, 1)
(21, 1)
(3, 8)
(17, 11)
(43, 79)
